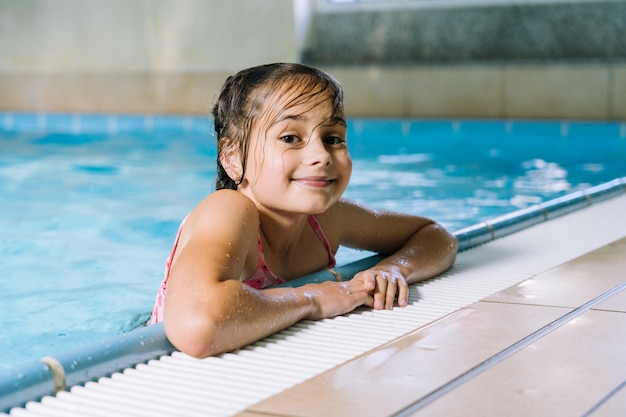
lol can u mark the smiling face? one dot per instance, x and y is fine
(298, 158)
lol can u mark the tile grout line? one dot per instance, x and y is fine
(604, 399)
(505, 353)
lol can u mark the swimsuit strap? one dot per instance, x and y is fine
(264, 277)
(322, 236)
(159, 303)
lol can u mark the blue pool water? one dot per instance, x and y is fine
(90, 204)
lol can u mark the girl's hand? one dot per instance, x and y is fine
(330, 299)
(385, 286)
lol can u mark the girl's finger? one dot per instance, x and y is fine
(380, 294)
(360, 282)
(403, 294)
(390, 297)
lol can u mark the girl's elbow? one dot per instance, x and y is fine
(454, 245)
(195, 337)
(453, 248)
(448, 239)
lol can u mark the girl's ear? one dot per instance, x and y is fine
(230, 158)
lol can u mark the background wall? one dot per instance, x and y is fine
(445, 31)
(484, 59)
(164, 56)
(475, 58)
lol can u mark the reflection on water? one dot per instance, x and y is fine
(411, 183)
(542, 177)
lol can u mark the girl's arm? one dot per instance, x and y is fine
(418, 249)
(208, 310)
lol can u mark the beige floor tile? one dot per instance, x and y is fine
(391, 377)
(565, 373)
(573, 283)
(615, 303)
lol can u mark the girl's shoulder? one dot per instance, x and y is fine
(227, 204)
(225, 213)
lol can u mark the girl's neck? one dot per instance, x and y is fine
(281, 232)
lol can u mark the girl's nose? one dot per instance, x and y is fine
(316, 153)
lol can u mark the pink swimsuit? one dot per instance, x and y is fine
(263, 277)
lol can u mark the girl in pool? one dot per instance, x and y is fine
(277, 214)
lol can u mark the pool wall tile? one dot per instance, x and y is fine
(385, 128)
(547, 90)
(383, 86)
(77, 123)
(473, 90)
(433, 127)
(62, 123)
(127, 123)
(92, 123)
(617, 93)
(534, 127)
(23, 122)
(202, 125)
(163, 124)
(482, 129)
(586, 130)
(561, 91)
(114, 123)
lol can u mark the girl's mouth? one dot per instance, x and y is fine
(318, 182)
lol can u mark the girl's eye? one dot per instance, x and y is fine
(334, 140)
(290, 139)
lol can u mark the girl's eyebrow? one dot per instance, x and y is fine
(330, 121)
(334, 120)
(282, 118)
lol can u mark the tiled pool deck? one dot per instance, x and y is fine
(543, 336)
(550, 345)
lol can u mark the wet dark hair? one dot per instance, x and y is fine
(243, 97)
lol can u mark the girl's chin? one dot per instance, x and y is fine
(312, 207)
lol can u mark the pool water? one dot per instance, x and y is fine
(90, 204)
